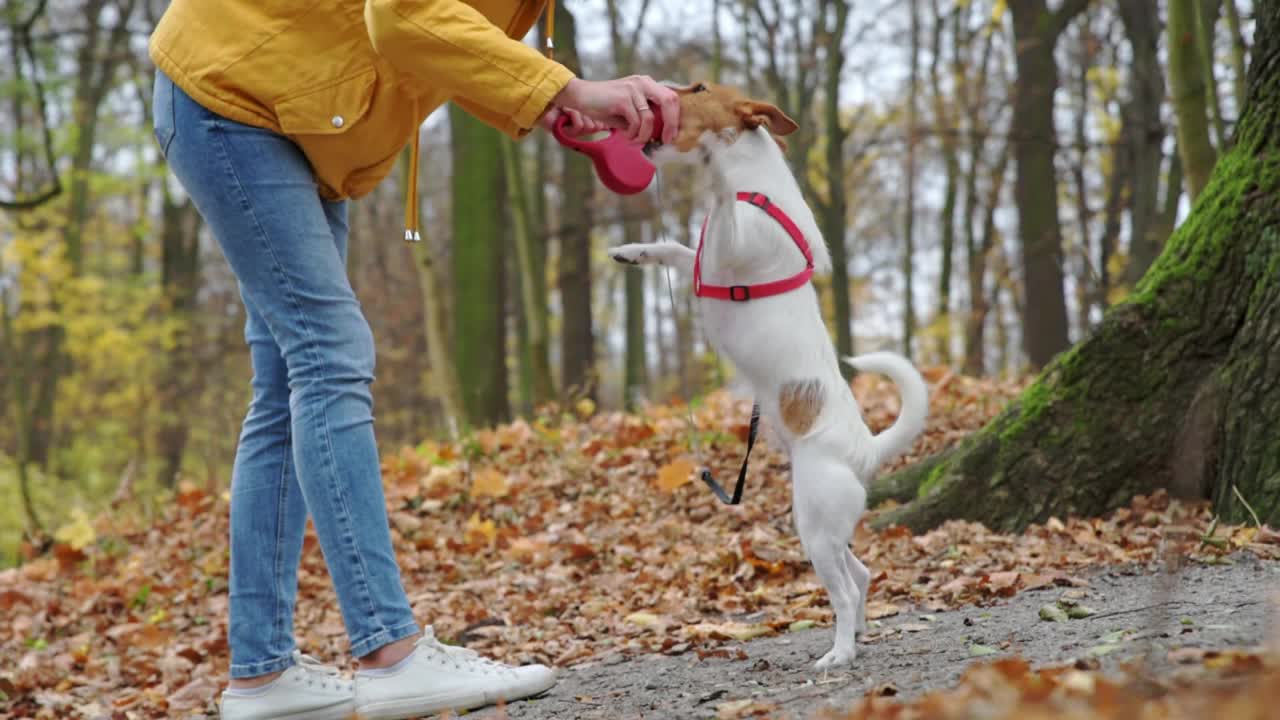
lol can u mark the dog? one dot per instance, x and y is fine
(760, 244)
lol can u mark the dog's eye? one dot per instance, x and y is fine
(700, 87)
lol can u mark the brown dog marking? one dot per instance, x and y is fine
(705, 107)
(800, 403)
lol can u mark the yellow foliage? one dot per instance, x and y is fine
(997, 11)
(78, 533)
(480, 532)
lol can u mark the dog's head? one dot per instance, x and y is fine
(713, 115)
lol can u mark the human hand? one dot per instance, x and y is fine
(624, 104)
(579, 124)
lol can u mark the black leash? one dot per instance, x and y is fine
(742, 474)
(705, 474)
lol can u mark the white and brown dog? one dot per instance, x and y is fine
(760, 244)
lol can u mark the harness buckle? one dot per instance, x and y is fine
(760, 200)
(739, 293)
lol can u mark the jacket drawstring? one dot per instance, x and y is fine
(551, 29)
(411, 233)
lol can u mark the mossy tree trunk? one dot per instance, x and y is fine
(479, 320)
(1187, 86)
(1178, 387)
(577, 338)
(1036, 31)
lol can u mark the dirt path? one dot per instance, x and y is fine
(1136, 611)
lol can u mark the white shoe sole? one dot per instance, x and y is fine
(341, 711)
(407, 708)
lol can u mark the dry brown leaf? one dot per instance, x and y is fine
(675, 473)
(489, 483)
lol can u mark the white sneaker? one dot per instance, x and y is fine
(438, 677)
(307, 689)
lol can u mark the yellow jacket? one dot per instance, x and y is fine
(350, 84)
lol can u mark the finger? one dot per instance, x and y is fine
(668, 103)
(626, 110)
(644, 129)
(549, 119)
(575, 120)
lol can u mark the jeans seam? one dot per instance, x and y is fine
(382, 637)
(260, 668)
(281, 511)
(330, 460)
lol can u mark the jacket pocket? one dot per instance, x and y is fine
(329, 109)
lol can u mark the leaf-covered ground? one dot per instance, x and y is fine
(556, 541)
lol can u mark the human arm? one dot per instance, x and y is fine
(500, 80)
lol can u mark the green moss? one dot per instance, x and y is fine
(935, 477)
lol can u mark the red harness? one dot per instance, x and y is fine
(742, 293)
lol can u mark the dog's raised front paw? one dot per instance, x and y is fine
(837, 657)
(632, 254)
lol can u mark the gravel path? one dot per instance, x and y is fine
(1137, 610)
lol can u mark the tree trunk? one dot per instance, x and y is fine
(1237, 55)
(835, 209)
(947, 215)
(577, 366)
(1178, 387)
(96, 63)
(634, 374)
(980, 306)
(180, 278)
(1143, 135)
(1036, 32)
(909, 215)
(1207, 12)
(533, 306)
(975, 254)
(1085, 279)
(1186, 84)
(479, 186)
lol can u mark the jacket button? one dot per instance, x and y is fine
(337, 121)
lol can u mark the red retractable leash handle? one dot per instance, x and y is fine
(620, 164)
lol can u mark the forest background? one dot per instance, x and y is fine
(984, 206)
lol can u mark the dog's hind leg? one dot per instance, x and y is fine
(664, 253)
(828, 501)
(861, 578)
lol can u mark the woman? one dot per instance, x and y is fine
(272, 115)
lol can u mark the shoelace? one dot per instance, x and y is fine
(313, 670)
(462, 658)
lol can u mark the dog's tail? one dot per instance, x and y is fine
(915, 401)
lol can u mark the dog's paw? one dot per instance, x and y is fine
(837, 657)
(632, 254)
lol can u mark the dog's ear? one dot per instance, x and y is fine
(754, 114)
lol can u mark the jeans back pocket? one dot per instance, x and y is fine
(164, 126)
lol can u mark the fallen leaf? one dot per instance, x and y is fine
(480, 532)
(1052, 613)
(1077, 612)
(643, 619)
(675, 473)
(877, 609)
(489, 483)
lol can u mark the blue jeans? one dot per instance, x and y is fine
(307, 444)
